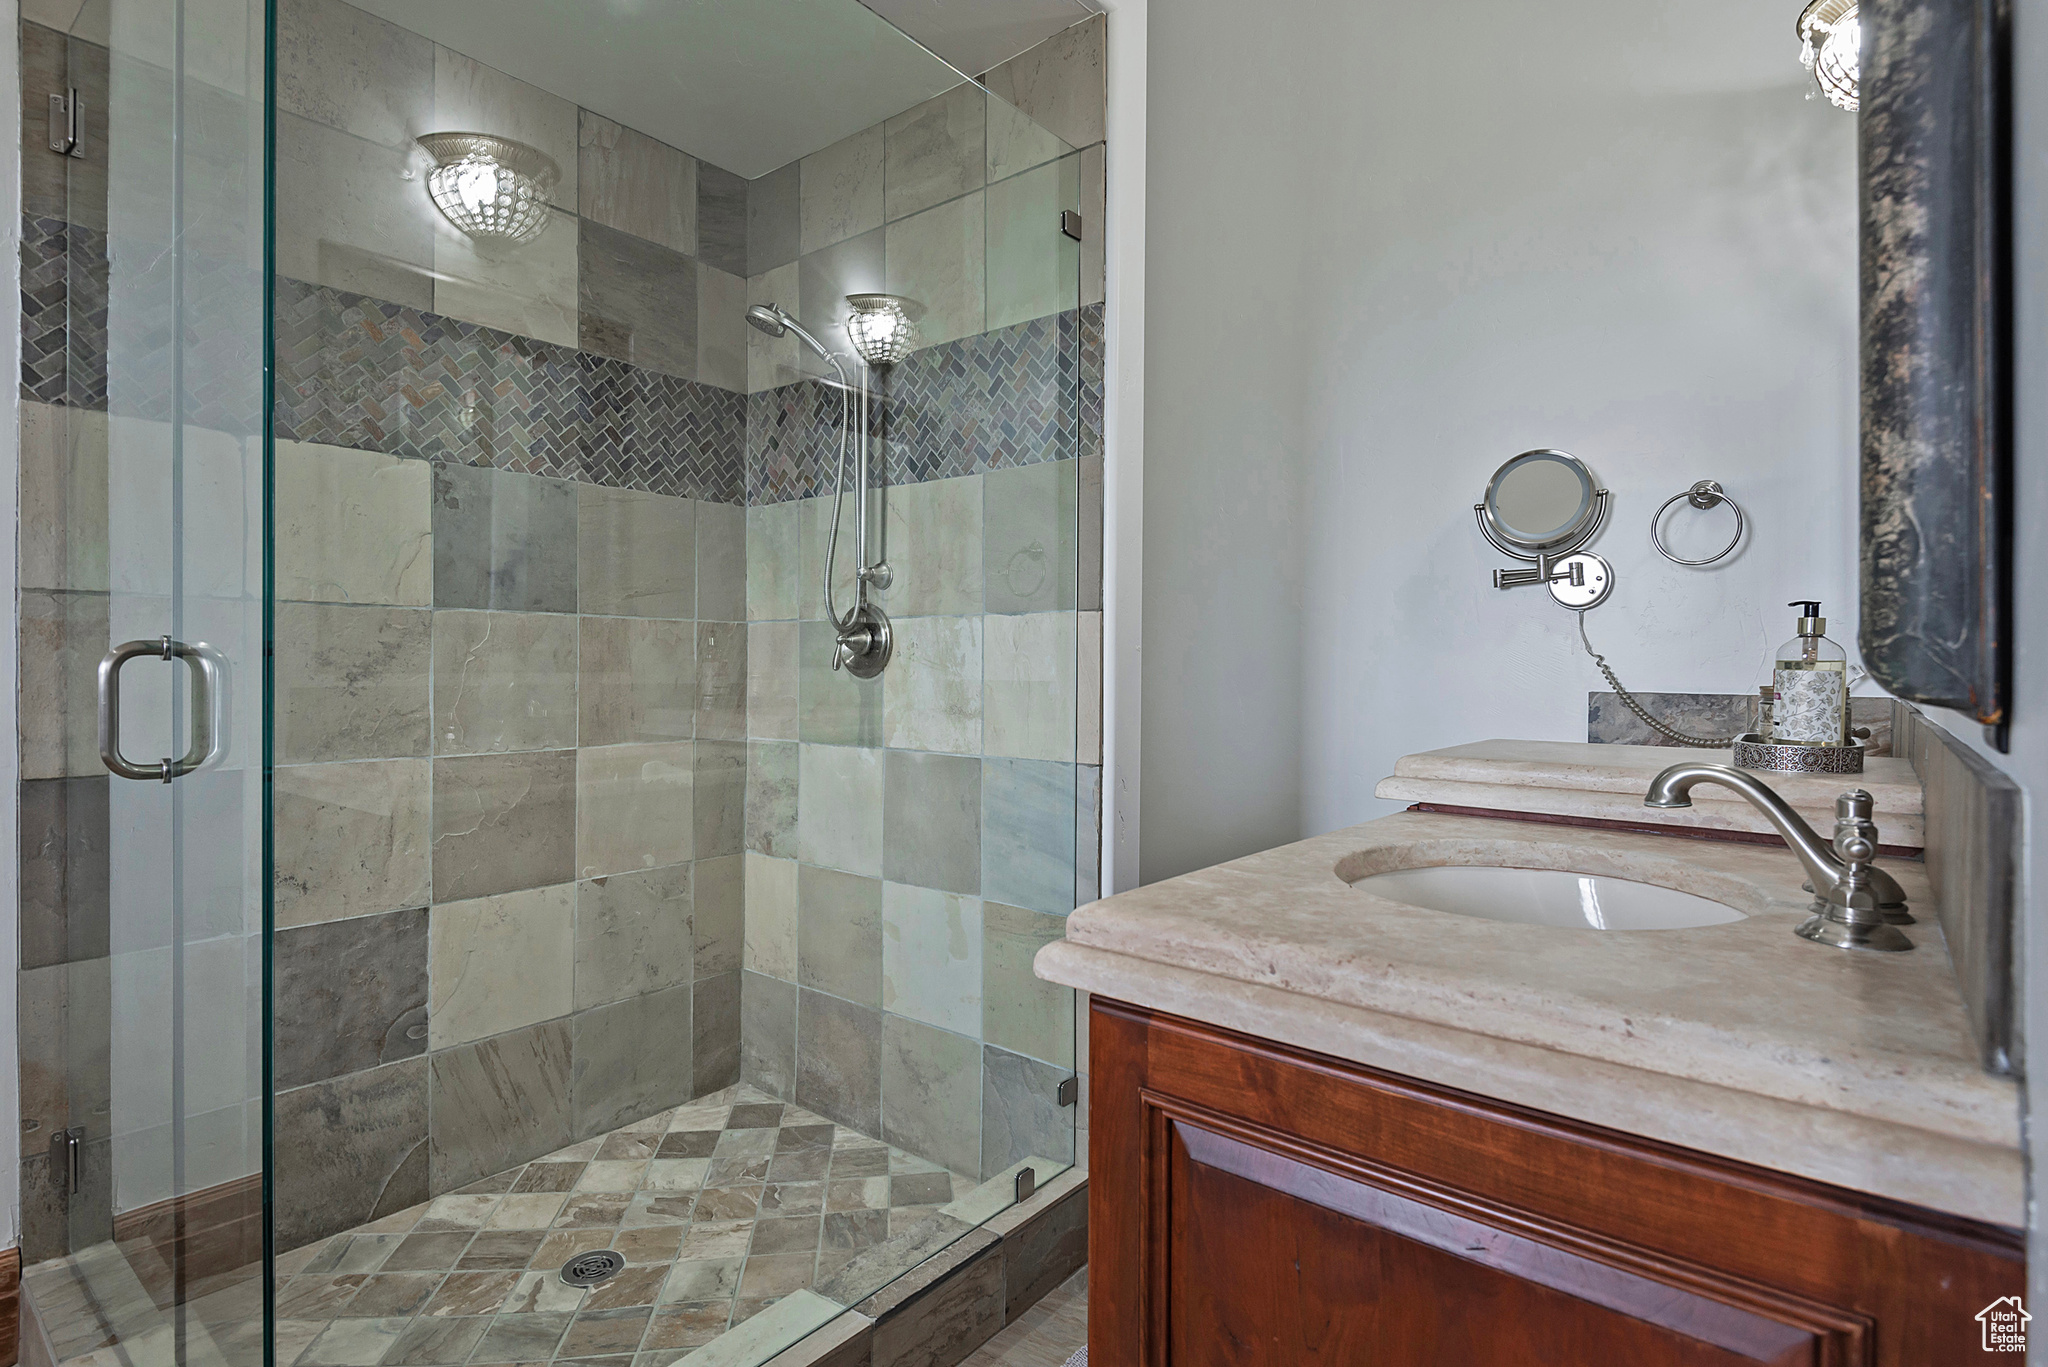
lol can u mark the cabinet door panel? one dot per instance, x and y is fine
(1273, 1260)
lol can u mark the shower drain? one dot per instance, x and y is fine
(588, 1269)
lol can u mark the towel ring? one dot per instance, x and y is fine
(1703, 495)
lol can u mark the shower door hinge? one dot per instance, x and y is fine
(1070, 1091)
(67, 1148)
(67, 124)
(1027, 1183)
(1070, 223)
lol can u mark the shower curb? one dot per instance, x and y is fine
(939, 1312)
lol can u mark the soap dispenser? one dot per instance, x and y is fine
(1810, 685)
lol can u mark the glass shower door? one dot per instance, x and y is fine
(142, 698)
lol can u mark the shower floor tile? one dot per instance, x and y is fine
(719, 1208)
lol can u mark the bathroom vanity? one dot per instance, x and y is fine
(1327, 1126)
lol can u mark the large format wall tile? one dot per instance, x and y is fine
(839, 807)
(718, 920)
(771, 813)
(937, 258)
(63, 636)
(64, 870)
(349, 1151)
(839, 1060)
(722, 330)
(832, 706)
(721, 562)
(503, 540)
(349, 995)
(504, 822)
(768, 1034)
(1030, 537)
(771, 917)
(468, 94)
(932, 700)
(500, 1102)
(772, 562)
(501, 962)
(632, 1059)
(1020, 1011)
(636, 553)
(1021, 1116)
(933, 816)
(721, 219)
(633, 935)
(638, 679)
(352, 839)
(935, 150)
(528, 288)
(931, 1082)
(722, 680)
(1027, 850)
(351, 682)
(714, 1032)
(718, 799)
(771, 680)
(1033, 267)
(353, 526)
(1017, 143)
(347, 218)
(932, 957)
(633, 807)
(1028, 678)
(63, 491)
(636, 301)
(935, 548)
(348, 69)
(1060, 82)
(839, 934)
(636, 184)
(772, 361)
(774, 219)
(841, 190)
(504, 681)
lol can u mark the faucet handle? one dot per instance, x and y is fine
(1853, 914)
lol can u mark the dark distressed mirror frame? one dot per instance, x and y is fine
(1936, 250)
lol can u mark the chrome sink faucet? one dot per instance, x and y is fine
(1856, 905)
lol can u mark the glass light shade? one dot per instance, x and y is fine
(494, 189)
(883, 327)
(1830, 45)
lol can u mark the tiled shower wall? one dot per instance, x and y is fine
(912, 840)
(511, 662)
(515, 761)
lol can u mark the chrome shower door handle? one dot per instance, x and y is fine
(205, 702)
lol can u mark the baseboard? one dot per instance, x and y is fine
(214, 1230)
(10, 1307)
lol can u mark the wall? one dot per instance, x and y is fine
(1418, 240)
(912, 840)
(10, 892)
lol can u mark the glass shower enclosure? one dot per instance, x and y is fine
(480, 903)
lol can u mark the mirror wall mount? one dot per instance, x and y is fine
(1542, 507)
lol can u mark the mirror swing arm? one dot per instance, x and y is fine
(1560, 565)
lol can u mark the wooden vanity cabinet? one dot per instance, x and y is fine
(1253, 1205)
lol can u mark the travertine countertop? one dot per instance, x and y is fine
(1738, 1039)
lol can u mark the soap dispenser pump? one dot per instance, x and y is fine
(1810, 684)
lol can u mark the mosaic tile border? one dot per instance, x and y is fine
(360, 372)
(63, 281)
(1016, 396)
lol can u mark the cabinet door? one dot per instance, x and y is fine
(1270, 1259)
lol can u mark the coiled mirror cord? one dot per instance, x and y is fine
(1628, 700)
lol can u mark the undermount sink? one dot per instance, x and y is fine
(1547, 897)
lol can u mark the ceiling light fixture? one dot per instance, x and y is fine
(1830, 46)
(494, 189)
(883, 328)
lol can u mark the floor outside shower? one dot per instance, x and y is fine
(721, 1209)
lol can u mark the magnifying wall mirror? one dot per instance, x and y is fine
(1542, 507)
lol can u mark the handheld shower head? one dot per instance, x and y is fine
(776, 323)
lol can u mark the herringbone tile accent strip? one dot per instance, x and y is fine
(361, 372)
